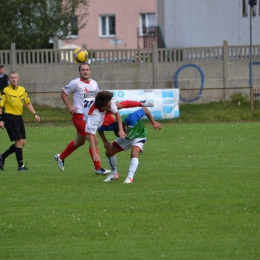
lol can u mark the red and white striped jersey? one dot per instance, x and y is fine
(83, 92)
(95, 118)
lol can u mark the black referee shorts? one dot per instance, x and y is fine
(15, 127)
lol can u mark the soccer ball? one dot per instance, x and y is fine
(80, 55)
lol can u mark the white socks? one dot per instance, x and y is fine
(112, 162)
(133, 166)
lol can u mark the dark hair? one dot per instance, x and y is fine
(84, 63)
(116, 128)
(103, 97)
(2, 66)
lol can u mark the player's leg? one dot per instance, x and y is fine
(80, 125)
(19, 144)
(80, 140)
(97, 164)
(112, 160)
(10, 127)
(131, 103)
(110, 118)
(137, 147)
(4, 155)
(16, 132)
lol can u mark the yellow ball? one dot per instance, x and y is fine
(80, 55)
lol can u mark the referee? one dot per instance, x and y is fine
(12, 99)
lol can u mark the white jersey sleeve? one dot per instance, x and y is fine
(71, 87)
(84, 93)
(113, 107)
(95, 119)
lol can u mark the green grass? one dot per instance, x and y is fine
(195, 196)
(189, 113)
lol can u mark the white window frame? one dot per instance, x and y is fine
(70, 35)
(107, 34)
(147, 23)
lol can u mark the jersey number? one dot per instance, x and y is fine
(88, 103)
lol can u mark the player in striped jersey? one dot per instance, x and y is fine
(84, 91)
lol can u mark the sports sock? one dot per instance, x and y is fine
(132, 168)
(9, 151)
(19, 156)
(130, 103)
(112, 162)
(68, 150)
(97, 164)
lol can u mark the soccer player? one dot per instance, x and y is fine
(12, 98)
(94, 116)
(84, 91)
(136, 134)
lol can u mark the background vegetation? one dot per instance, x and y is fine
(32, 24)
(233, 111)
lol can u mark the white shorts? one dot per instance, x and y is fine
(125, 144)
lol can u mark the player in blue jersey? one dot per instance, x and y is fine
(136, 133)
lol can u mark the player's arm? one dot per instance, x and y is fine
(155, 124)
(31, 109)
(121, 132)
(65, 99)
(104, 139)
(1, 118)
(91, 139)
(2, 102)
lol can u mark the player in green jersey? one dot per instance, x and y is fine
(136, 138)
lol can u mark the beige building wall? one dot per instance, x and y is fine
(127, 13)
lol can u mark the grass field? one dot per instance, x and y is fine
(195, 196)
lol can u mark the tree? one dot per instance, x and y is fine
(32, 23)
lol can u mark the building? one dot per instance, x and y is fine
(200, 23)
(114, 24)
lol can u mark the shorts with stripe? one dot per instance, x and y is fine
(15, 127)
(124, 144)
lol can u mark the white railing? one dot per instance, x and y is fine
(129, 56)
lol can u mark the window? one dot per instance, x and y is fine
(107, 25)
(73, 28)
(146, 20)
(246, 8)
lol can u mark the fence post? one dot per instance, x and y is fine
(56, 48)
(13, 57)
(225, 67)
(155, 64)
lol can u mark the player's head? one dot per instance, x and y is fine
(103, 100)
(13, 78)
(116, 128)
(84, 71)
(84, 63)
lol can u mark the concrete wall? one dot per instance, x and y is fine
(195, 70)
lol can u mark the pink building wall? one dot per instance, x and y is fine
(127, 13)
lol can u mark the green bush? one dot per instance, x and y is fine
(239, 99)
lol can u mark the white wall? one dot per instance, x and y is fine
(198, 23)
